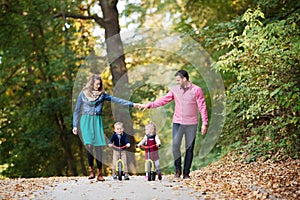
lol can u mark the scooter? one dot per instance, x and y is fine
(149, 164)
(119, 164)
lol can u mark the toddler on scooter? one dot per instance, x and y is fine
(119, 139)
(150, 139)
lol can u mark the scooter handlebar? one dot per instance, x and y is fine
(146, 146)
(119, 148)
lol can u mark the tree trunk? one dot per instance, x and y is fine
(115, 53)
(114, 44)
(68, 154)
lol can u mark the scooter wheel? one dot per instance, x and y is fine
(149, 176)
(120, 172)
(153, 175)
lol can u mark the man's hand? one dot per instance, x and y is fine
(75, 131)
(203, 129)
(140, 106)
(137, 105)
(143, 107)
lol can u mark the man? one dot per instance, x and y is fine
(188, 99)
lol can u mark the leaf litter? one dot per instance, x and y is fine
(227, 178)
(232, 178)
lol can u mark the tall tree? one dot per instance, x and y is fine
(115, 57)
(37, 69)
(41, 50)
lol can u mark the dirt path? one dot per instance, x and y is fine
(227, 178)
(82, 188)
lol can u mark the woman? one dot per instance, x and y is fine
(90, 101)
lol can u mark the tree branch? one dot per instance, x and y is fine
(95, 17)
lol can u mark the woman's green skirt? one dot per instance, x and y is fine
(92, 130)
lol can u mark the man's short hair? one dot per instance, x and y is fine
(182, 73)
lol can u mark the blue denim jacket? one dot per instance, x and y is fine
(94, 107)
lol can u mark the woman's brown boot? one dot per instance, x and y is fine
(99, 176)
(92, 174)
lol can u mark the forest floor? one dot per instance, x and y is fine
(228, 178)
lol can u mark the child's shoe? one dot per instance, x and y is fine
(146, 178)
(114, 177)
(159, 176)
(126, 177)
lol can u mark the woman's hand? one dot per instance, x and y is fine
(75, 131)
(137, 105)
(140, 106)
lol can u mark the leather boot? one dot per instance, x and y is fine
(177, 174)
(92, 174)
(99, 176)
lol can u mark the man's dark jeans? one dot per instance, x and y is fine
(189, 132)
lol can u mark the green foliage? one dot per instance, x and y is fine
(257, 53)
(37, 69)
(263, 105)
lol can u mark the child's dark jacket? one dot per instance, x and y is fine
(119, 142)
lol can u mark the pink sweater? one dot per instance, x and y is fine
(186, 104)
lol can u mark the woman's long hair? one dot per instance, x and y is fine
(89, 91)
(90, 84)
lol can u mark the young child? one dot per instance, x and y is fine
(119, 139)
(151, 138)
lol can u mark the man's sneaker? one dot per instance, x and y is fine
(159, 176)
(177, 174)
(186, 177)
(126, 177)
